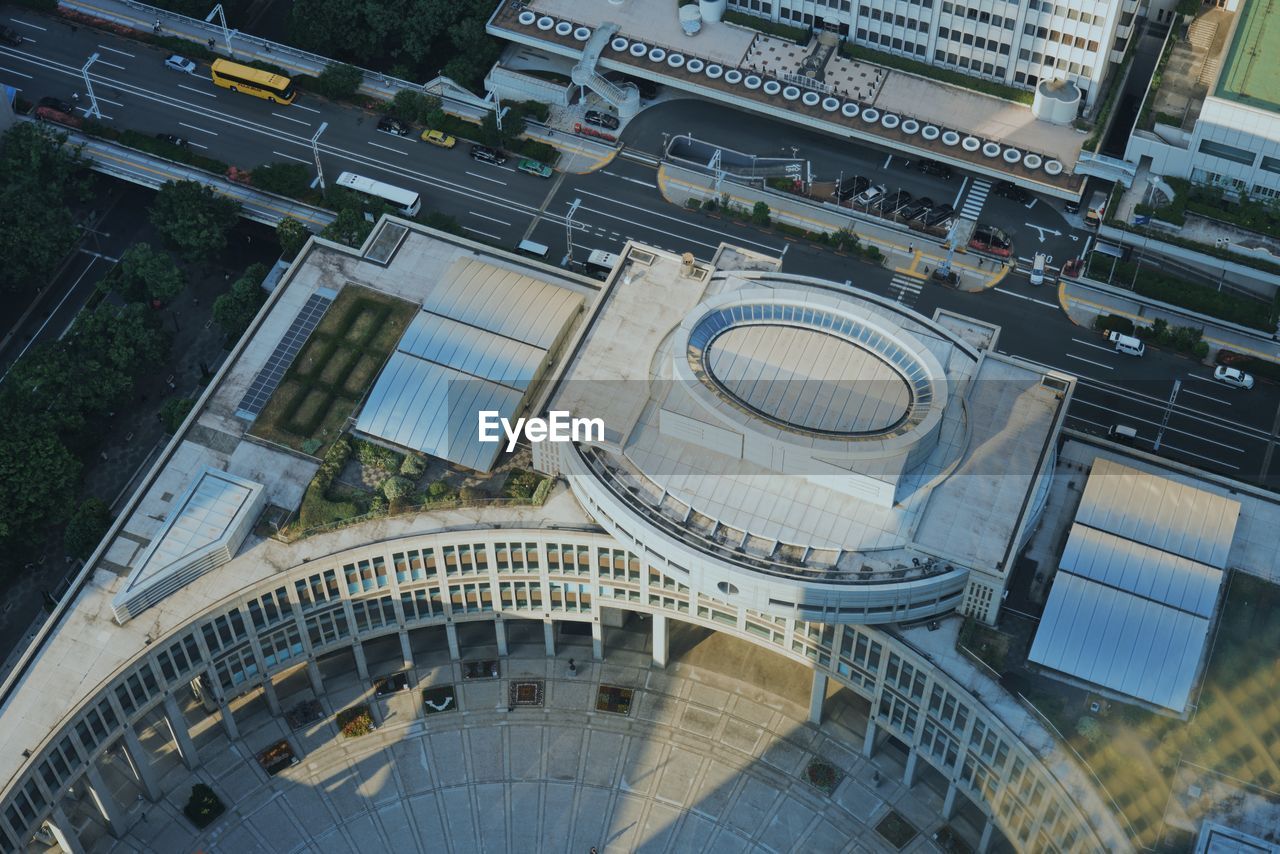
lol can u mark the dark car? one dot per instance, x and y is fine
(10, 36)
(934, 168)
(916, 209)
(488, 155)
(896, 202)
(988, 238)
(1013, 192)
(171, 139)
(854, 185)
(939, 215)
(57, 104)
(390, 125)
(602, 120)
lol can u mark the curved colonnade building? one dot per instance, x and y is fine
(799, 465)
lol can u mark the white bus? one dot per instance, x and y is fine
(405, 201)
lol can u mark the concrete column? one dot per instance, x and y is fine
(869, 740)
(108, 806)
(659, 640)
(362, 665)
(909, 773)
(597, 640)
(142, 765)
(817, 697)
(451, 635)
(314, 677)
(500, 632)
(949, 803)
(64, 832)
(272, 698)
(228, 720)
(549, 637)
(177, 722)
(984, 844)
(375, 710)
(406, 651)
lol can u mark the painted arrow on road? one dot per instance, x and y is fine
(1042, 231)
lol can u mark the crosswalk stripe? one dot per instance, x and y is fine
(903, 285)
(977, 197)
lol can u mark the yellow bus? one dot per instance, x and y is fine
(253, 81)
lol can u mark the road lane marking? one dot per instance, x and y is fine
(684, 223)
(1052, 305)
(955, 203)
(32, 26)
(11, 71)
(1213, 460)
(1090, 361)
(1167, 428)
(625, 178)
(388, 148)
(197, 91)
(490, 218)
(1094, 346)
(308, 109)
(290, 119)
(487, 178)
(291, 157)
(1206, 396)
(202, 130)
(113, 50)
(485, 233)
(196, 144)
(110, 64)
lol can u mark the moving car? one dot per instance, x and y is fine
(916, 209)
(177, 62)
(10, 36)
(440, 138)
(896, 202)
(486, 154)
(1013, 192)
(1126, 344)
(852, 186)
(393, 126)
(1233, 377)
(56, 104)
(938, 215)
(1038, 267)
(603, 120)
(988, 238)
(534, 167)
(934, 168)
(869, 196)
(171, 139)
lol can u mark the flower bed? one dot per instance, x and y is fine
(439, 699)
(277, 757)
(526, 693)
(203, 807)
(355, 722)
(614, 699)
(896, 830)
(823, 776)
(304, 713)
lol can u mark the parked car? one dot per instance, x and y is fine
(896, 202)
(1233, 377)
(869, 196)
(852, 186)
(10, 36)
(393, 126)
(180, 63)
(171, 139)
(57, 104)
(934, 168)
(1039, 264)
(535, 167)
(916, 209)
(607, 121)
(988, 238)
(440, 138)
(939, 215)
(488, 155)
(1013, 192)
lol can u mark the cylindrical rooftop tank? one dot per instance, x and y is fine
(1056, 102)
(712, 10)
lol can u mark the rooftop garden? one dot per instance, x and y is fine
(936, 72)
(799, 35)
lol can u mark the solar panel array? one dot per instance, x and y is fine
(264, 384)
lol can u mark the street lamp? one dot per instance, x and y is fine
(568, 232)
(88, 88)
(222, 22)
(315, 153)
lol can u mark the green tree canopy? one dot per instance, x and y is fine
(125, 338)
(235, 310)
(349, 229)
(38, 480)
(287, 179)
(292, 235)
(338, 81)
(145, 274)
(86, 527)
(194, 218)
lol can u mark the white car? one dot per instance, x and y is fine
(869, 195)
(180, 63)
(1233, 377)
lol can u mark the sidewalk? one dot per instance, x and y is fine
(1084, 299)
(906, 253)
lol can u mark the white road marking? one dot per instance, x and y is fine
(490, 218)
(388, 148)
(1213, 460)
(109, 64)
(197, 91)
(32, 26)
(478, 231)
(11, 71)
(625, 178)
(202, 130)
(1205, 396)
(1167, 428)
(1052, 305)
(291, 157)
(679, 222)
(487, 178)
(121, 52)
(308, 109)
(1090, 361)
(290, 119)
(196, 144)
(887, 161)
(955, 203)
(1094, 346)
(109, 101)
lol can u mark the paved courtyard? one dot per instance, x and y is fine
(708, 759)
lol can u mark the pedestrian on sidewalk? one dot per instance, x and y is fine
(210, 43)
(911, 249)
(156, 27)
(573, 668)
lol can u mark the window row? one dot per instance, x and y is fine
(977, 41)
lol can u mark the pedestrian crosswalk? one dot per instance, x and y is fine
(977, 197)
(905, 289)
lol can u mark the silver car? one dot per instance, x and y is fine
(180, 63)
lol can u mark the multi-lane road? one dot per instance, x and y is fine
(1168, 399)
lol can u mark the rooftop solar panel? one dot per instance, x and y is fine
(264, 384)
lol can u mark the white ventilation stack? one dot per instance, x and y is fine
(1056, 102)
(712, 10)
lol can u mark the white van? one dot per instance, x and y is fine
(1127, 344)
(529, 247)
(1037, 269)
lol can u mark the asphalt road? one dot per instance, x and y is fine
(1204, 424)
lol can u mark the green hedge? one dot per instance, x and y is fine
(1105, 323)
(799, 35)
(934, 72)
(1153, 283)
(149, 144)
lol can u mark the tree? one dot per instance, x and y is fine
(414, 106)
(349, 229)
(68, 390)
(123, 338)
(338, 81)
(145, 274)
(236, 309)
(194, 218)
(760, 214)
(474, 52)
(174, 411)
(396, 487)
(88, 524)
(38, 479)
(287, 179)
(293, 235)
